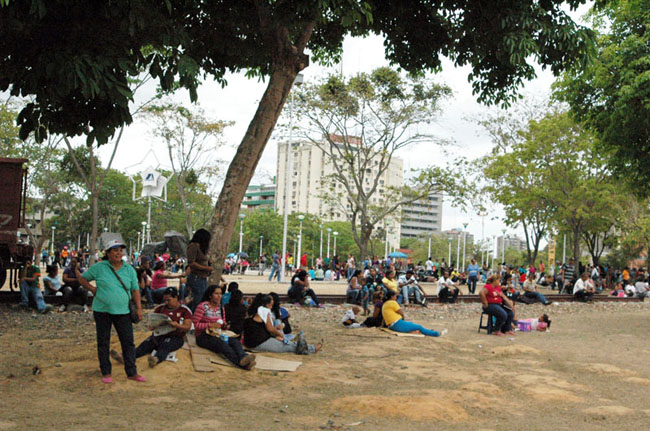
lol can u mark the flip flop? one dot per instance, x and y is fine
(107, 379)
(137, 378)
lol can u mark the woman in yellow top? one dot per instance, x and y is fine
(394, 318)
(389, 281)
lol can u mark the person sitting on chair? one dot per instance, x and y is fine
(497, 305)
(447, 290)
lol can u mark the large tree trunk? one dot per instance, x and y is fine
(243, 165)
(576, 244)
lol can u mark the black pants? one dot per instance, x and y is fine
(296, 294)
(233, 351)
(471, 284)
(163, 345)
(124, 329)
(583, 296)
(157, 295)
(447, 295)
(371, 322)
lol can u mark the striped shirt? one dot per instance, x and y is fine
(204, 315)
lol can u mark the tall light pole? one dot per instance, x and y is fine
(449, 257)
(261, 239)
(503, 244)
(301, 217)
(429, 249)
(241, 233)
(320, 249)
(482, 215)
(329, 231)
(458, 250)
(335, 235)
(287, 181)
(564, 251)
(144, 232)
(52, 247)
(386, 247)
(139, 239)
(464, 243)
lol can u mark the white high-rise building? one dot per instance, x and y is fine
(310, 167)
(422, 217)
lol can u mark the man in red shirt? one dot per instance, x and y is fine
(164, 344)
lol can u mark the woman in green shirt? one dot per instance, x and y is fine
(111, 307)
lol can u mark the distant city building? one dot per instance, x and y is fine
(310, 165)
(455, 233)
(260, 196)
(511, 242)
(423, 217)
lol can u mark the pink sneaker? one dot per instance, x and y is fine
(107, 379)
(138, 378)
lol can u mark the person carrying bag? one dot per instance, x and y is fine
(116, 302)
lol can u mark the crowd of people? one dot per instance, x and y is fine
(226, 322)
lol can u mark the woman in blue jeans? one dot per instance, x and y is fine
(394, 318)
(199, 266)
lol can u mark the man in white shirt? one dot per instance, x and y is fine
(429, 266)
(584, 289)
(408, 284)
(641, 287)
(530, 290)
(447, 290)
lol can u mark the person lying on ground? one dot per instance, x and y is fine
(541, 323)
(584, 289)
(497, 305)
(548, 281)
(181, 320)
(530, 290)
(159, 281)
(260, 333)
(394, 318)
(409, 286)
(376, 320)
(447, 289)
(209, 315)
(300, 289)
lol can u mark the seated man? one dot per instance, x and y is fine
(530, 290)
(641, 287)
(409, 286)
(77, 291)
(584, 289)
(181, 320)
(447, 290)
(29, 288)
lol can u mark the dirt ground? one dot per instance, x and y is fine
(591, 372)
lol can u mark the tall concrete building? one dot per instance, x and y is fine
(311, 176)
(423, 217)
(259, 196)
(510, 241)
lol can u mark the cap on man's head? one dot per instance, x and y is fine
(114, 243)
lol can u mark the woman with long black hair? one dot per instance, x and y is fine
(199, 266)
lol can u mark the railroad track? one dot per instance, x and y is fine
(14, 297)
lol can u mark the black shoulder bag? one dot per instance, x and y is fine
(133, 310)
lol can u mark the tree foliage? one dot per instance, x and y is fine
(611, 95)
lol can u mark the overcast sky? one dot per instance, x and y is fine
(239, 99)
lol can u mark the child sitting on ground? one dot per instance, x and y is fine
(349, 318)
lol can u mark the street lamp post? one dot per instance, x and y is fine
(301, 217)
(457, 251)
(386, 246)
(429, 249)
(241, 233)
(261, 239)
(464, 244)
(139, 239)
(144, 232)
(287, 182)
(329, 231)
(449, 257)
(503, 245)
(320, 250)
(52, 247)
(335, 235)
